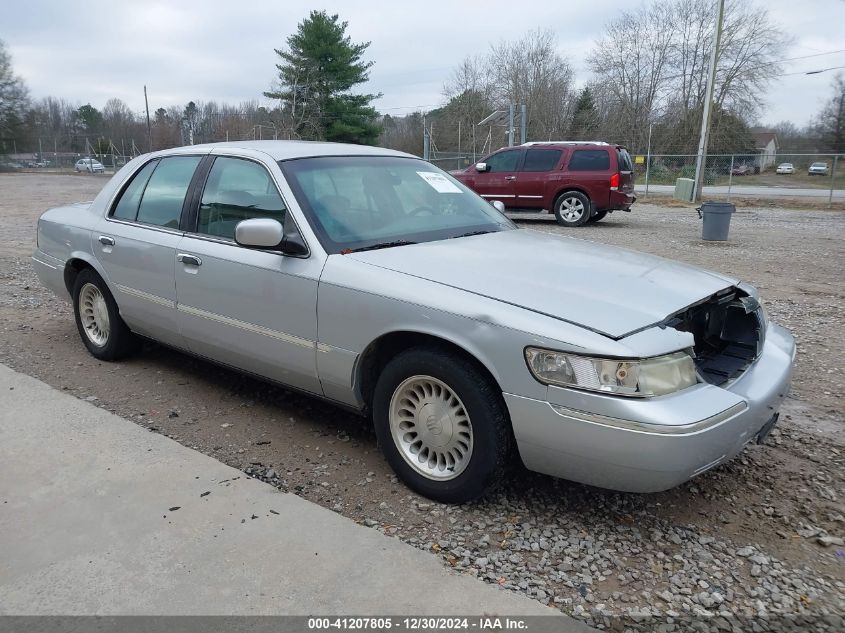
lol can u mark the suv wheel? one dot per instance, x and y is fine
(572, 208)
(441, 424)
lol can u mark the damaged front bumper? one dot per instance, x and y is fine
(652, 444)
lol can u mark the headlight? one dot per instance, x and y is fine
(635, 378)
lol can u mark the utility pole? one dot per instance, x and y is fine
(648, 158)
(510, 125)
(708, 103)
(459, 136)
(523, 123)
(149, 128)
(426, 141)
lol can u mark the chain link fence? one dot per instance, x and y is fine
(63, 162)
(782, 175)
(818, 176)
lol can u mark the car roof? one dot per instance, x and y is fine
(286, 150)
(571, 143)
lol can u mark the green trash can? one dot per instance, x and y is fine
(716, 220)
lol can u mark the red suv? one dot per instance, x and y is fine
(580, 181)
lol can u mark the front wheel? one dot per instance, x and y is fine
(98, 320)
(572, 208)
(442, 424)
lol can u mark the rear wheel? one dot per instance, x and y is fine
(598, 216)
(98, 320)
(572, 208)
(441, 424)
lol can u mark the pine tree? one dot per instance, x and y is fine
(316, 74)
(584, 118)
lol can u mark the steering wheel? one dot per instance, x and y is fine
(424, 210)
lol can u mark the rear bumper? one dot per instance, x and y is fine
(650, 451)
(621, 201)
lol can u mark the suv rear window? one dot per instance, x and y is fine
(541, 159)
(589, 160)
(625, 162)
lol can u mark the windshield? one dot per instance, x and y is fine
(359, 202)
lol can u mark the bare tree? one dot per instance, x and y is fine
(13, 97)
(654, 60)
(530, 71)
(631, 59)
(119, 122)
(831, 121)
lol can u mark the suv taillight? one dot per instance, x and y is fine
(614, 181)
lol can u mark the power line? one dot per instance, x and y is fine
(812, 72)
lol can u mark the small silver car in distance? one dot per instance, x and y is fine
(785, 168)
(374, 280)
(818, 169)
(91, 165)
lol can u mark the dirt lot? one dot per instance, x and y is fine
(758, 536)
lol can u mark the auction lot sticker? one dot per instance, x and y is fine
(439, 182)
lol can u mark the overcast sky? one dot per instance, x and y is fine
(223, 49)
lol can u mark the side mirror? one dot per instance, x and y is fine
(482, 167)
(292, 242)
(500, 206)
(259, 233)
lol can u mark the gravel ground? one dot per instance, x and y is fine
(755, 544)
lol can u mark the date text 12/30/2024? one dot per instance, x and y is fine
(423, 623)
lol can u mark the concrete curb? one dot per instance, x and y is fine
(88, 526)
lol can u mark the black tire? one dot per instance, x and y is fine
(483, 403)
(576, 200)
(119, 341)
(598, 216)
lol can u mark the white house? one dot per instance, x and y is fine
(766, 146)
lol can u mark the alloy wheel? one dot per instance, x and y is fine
(431, 428)
(94, 314)
(571, 209)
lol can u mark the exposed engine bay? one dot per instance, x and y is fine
(728, 332)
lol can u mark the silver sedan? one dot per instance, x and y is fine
(374, 280)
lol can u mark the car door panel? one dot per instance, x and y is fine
(536, 177)
(499, 183)
(138, 257)
(140, 268)
(590, 171)
(251, 309)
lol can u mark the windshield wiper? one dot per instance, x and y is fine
(471, 233)
(373, 247)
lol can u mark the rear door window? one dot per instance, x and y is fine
(161, 202)
(541, 159)
(504, 161)
(127, 206)
(589, 160)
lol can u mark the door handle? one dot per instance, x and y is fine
(187, 258)
(510, 177)
(105, 240)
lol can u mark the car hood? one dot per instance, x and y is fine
(606, 289)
